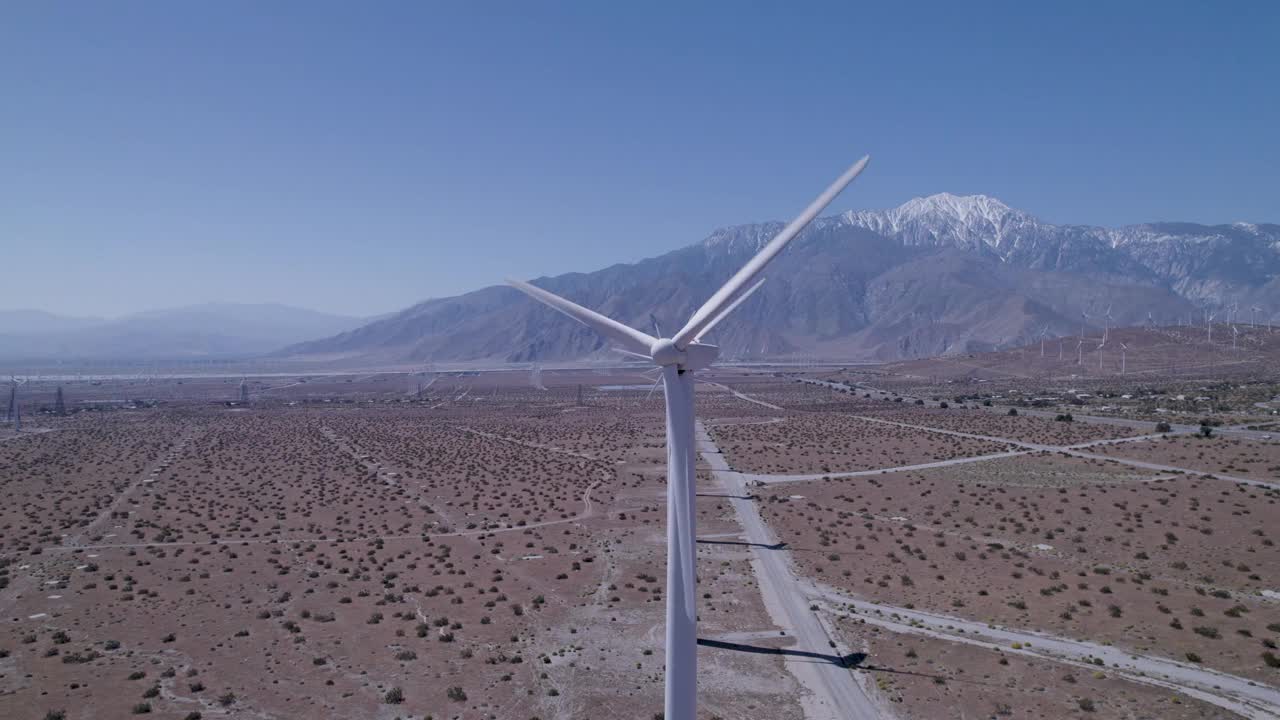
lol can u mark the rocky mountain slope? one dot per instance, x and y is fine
(936, 275)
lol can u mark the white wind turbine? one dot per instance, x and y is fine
(1123, 348)
(15, 409)
(1080, 351)
(1043, 331)
(1235, 333)
(1209, 324)
(679, 357)
(1106, 324)
(1084, 321)
(1100, 346)
(1253, 316)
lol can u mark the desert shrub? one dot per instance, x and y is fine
(1163, 427)
(394, 696)
(142, 708)
(457, 694)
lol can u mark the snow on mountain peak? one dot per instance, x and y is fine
(972, 221)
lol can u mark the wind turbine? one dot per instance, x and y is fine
(1123, 348)
(1253, 316)
(15, 409)
(1100, 346)
(1043, 331)
(1106, 324)
(1209, 324)
(1084, 320)
(1235, 333)
(1080, 351)
(679, 357)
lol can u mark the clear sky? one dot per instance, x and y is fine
(359, 157)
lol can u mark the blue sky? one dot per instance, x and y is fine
(359, 157)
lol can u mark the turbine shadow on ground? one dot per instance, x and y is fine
(762, 546)
(852, 661)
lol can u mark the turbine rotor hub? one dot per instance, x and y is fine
(664, 352)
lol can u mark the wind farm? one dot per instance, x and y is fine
(574, 361)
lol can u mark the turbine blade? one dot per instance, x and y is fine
(736, 302)
(722, 297)
(630, 338)
(628, 353)
(655, 387)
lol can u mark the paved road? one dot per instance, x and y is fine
(1234, 693)
(836, 692)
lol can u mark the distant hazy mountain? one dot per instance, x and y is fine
(212, 330)
(942, 274)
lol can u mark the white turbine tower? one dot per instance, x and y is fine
(15, 407)
(679, 357)
(1084, 321)
(1100, 346)
(1080, 351)
(1253, 316)
(1235, 333)
(1043, 331)
(1209, 324)
(1123, 348)
(1106, 324)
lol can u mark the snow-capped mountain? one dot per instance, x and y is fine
(938, 274)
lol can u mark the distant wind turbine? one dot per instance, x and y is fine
(1100, 346)
(1106, 324)
(679, 357)
(1080, 351)
(1123, 348)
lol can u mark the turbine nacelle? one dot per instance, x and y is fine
(694, 357)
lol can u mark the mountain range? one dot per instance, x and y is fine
(192, 332)
(937, 275)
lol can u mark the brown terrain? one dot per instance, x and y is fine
(350, 546)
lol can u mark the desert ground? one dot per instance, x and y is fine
(471, 544)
